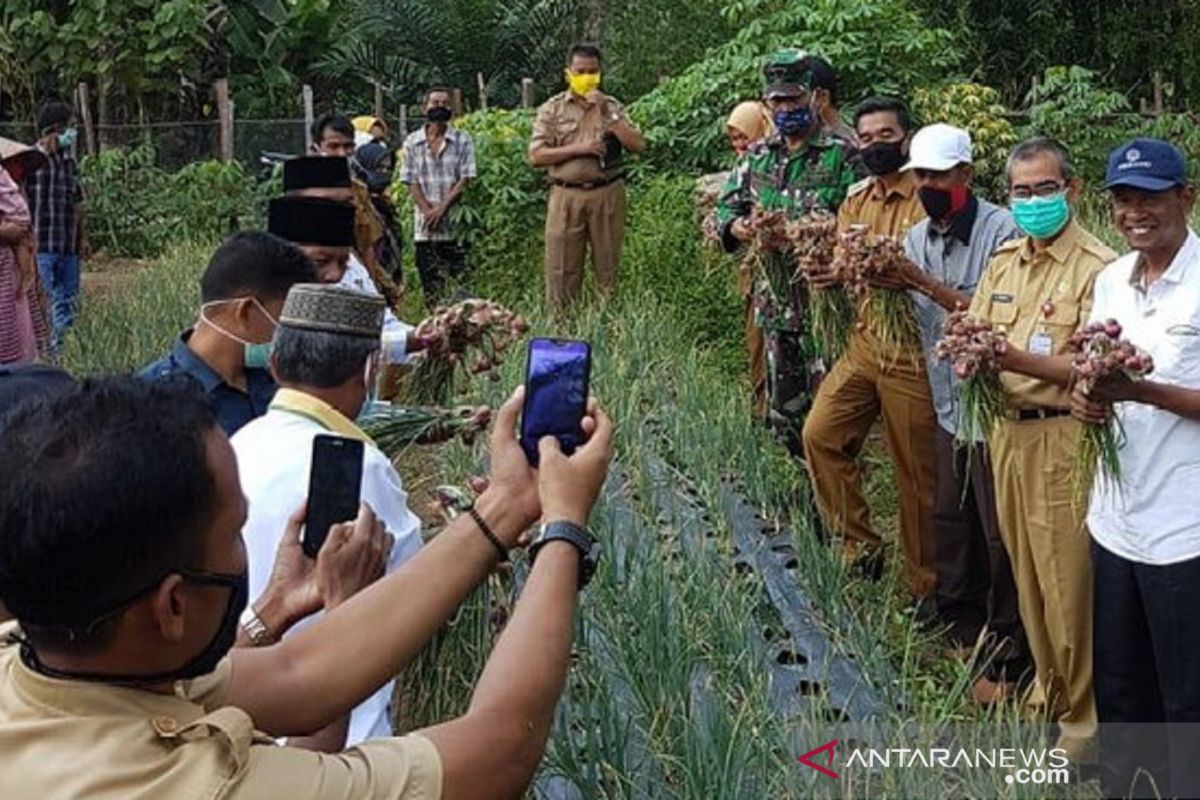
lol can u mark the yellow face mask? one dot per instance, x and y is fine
(582, 84)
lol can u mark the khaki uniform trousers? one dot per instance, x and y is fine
(756, 345)
(1042, 525)
(576, 218)
(852, 396)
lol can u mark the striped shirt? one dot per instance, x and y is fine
(436, 174)
(53, 192)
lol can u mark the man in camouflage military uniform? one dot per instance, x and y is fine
(798, 171)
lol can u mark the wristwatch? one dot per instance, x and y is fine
(260, 635)
(585, 543)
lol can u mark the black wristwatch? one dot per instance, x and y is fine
(585, 543)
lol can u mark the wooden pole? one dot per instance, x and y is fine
(456, 101)
(308, 118)
(378, 100)
(526, 92)
(85, 116)
(225, 119)
(402, 118)
(1158, 92)
(482, 91)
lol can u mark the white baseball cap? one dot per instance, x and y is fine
(939, 147)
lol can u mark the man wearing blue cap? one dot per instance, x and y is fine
(1038, 289)
(1146, 529)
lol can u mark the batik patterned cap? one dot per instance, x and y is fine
(333, 309)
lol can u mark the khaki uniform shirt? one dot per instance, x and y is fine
(1041, 299)
(887, 212)
(70, 739)
(565, 119)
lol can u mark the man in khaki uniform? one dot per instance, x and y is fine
(1039, 290)
(578, 136)
(866, 381)
(123, 563)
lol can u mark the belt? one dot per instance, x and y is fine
(589, 184)
(1026, 414)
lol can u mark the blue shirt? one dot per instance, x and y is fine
(957, 258)
(233, 407)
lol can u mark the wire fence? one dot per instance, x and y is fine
(178, 143)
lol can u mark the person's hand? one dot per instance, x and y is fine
(742, 229)
(1087, 410)
(822, 278)
(291, 592)
(1116, 387)
(596, 148)
(434, 217)
(569, 485)
(900, 276)
(353, 557)
(594, 97)
(512, 481)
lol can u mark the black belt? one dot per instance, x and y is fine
(589, 184)
(1026, 414)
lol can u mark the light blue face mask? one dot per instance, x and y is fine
(255, 355)
(67, 138)
(1041, 217)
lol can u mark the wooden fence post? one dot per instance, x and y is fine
(526, 92)
(378, 100)
(85, 116)
(307, 94)
(1158, 92)
(225, 119)
(402, 120)
(456, 101)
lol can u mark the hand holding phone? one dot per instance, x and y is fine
(334, 486)
(557, 373)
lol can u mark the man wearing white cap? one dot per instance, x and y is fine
(949, 252)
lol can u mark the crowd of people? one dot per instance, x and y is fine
(1078, 607)
(167, 629)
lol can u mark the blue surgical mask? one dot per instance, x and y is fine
(66, 139)
(255, 355)
(1041, 217)
(794, 122)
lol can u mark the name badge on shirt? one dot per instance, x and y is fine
(1001, 298)
(1040, 344)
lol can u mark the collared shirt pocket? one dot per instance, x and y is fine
(1060, 324)
(1178, 359)
(1002, 312)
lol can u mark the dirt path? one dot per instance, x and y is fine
(103, 275)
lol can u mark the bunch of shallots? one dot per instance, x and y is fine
(975, 349)
(470, 336)
(814, 241)
(1100, 352)
(861, 256)
(394, 429)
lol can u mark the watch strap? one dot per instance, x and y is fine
(258, 632)
(582, 540)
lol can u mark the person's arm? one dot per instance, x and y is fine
(503, 734)
(1096, 403)
(734, 208)
(1052, 369)
(337, 662)
(916, 279)
(544, 153)
(620, 126)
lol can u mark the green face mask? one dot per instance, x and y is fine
(1041, 217)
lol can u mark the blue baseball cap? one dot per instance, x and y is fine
(1149, 164)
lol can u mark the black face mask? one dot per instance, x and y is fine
(883, 158)
(439, 114)
(202, 663)
(941, 204)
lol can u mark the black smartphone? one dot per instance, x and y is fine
(556, 391)
(334, 486)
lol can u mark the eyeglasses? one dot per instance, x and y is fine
(1043, 189)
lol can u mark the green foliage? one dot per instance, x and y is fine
(876, 45)
(136, 209)
(977, 109)
(1068, 105)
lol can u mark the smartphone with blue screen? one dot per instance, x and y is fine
(557, 372)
